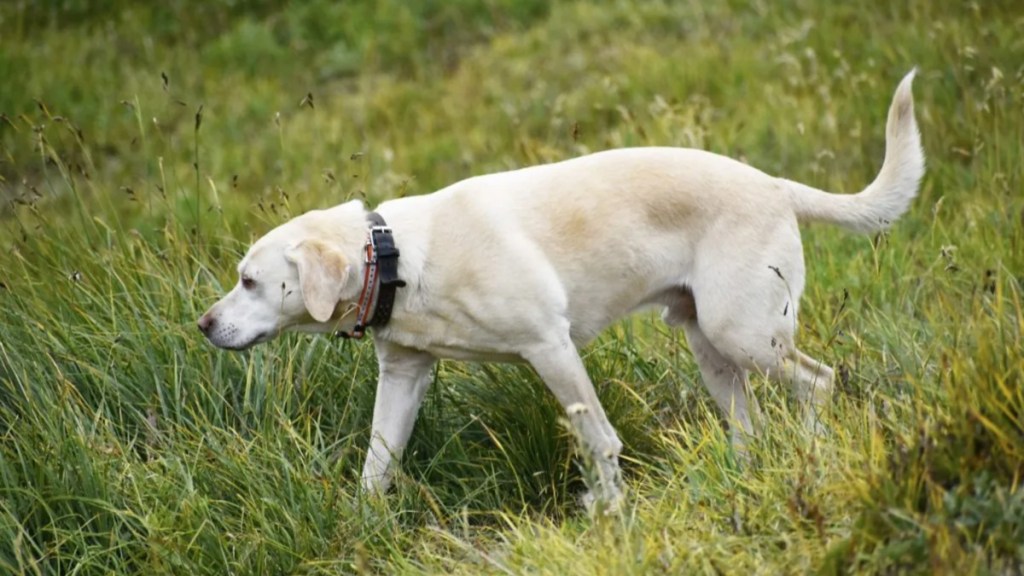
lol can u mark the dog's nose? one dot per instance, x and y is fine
(206, 323)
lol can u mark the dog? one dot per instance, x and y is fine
(529, 265)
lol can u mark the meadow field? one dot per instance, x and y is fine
(144, 145)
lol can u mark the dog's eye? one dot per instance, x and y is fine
(248, 283)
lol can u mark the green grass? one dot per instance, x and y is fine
(129, 445)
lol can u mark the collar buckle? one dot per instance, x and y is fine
(372, 247)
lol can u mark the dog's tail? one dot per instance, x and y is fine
(889, 196)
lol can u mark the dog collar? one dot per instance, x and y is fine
(380, 278)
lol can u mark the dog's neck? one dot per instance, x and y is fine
(345, 226)
(380, 278)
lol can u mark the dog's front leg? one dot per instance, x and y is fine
(405, 375)
(561, 368)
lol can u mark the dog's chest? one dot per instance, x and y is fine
(452, 339)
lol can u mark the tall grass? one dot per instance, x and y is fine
(128, 445)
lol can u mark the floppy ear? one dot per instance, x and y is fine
(323, 271)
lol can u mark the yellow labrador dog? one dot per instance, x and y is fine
(529, 265)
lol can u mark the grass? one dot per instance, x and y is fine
(128, 445)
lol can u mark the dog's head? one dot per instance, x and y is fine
(299, 275)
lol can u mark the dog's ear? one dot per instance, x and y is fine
(323, 271)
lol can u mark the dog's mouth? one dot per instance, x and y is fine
(259, 339)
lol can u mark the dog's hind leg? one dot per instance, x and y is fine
(813, 383)
(725, 380)
(727, 383)
(747, 311)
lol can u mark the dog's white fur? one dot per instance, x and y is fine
(531, 264)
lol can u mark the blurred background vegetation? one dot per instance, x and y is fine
(143, 145)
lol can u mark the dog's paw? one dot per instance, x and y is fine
(815, 426)
(606, 505)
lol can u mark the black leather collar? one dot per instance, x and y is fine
(380, 278)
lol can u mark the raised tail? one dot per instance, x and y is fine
(889, 196)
